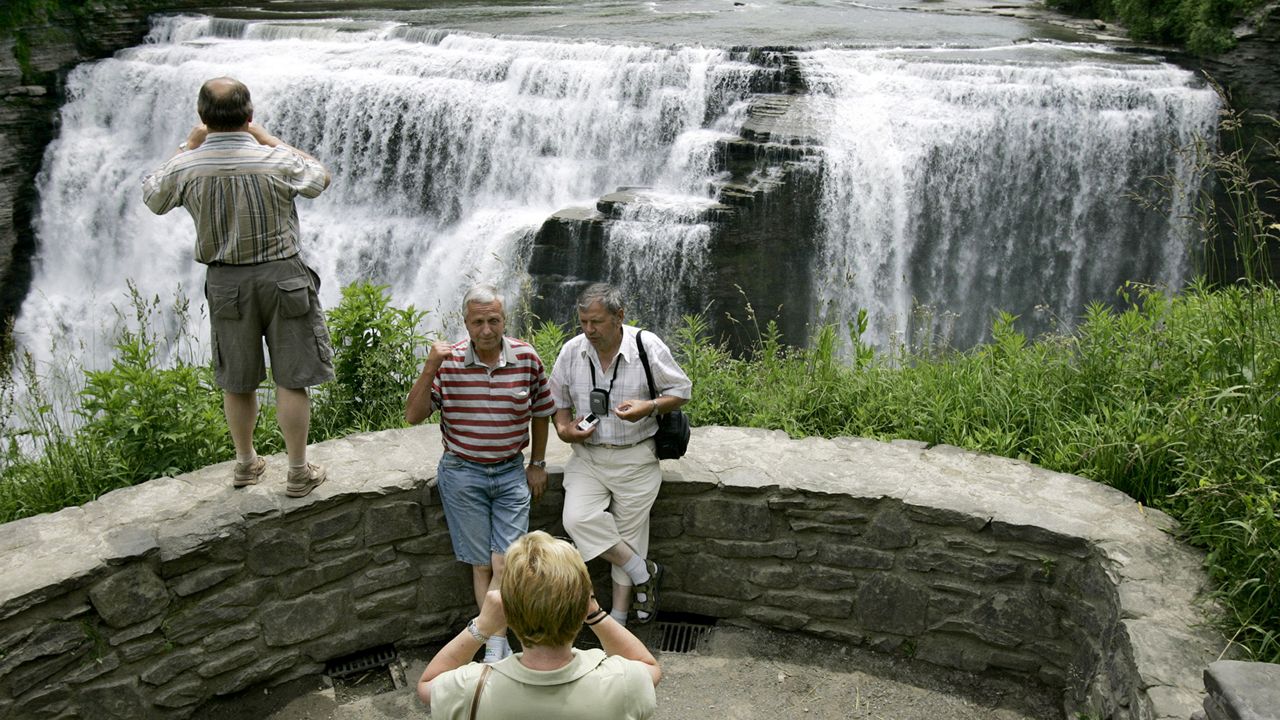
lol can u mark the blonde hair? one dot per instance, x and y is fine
(545, 590)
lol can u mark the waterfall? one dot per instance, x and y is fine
(953, 182)
(960, 183)
(447, 150)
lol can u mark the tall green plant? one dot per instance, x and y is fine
(375, 362)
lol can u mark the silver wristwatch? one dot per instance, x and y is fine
(475, 631)
(539, 463)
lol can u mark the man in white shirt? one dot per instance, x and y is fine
(612, 479)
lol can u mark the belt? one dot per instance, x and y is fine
(611, 446)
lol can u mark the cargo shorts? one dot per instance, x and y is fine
(277, 301)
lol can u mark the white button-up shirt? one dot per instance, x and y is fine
(571, 383)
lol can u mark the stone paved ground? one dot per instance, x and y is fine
(737, 674)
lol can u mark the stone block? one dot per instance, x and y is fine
(230, 636)
(46, 650)
(828, 605)
(31, 674)
(433, 544)
(50, 701)
(114, 700)
(707, 573)
(445, 590)
(387, 602)
(310, 616)
(182, 551)
(343, 544)
(853, 556)
(274, 551)
(953, 652)
(773, 576)
(891, 604)
(347, 640)
(146, 647)
(985, 570)
(268, 667)
(825, 578)
(783, 549)
(717, 607)
(1057, 543)
(946, 517)
(314, 576)
(394, 521)
(383, 577)
(227, 661)
(129, 596)
(215, 611)
(889, 530)
(203, 578)
(180, 693)
(92, 667)
(338, 522)
(1245, 690)
(171, 665)
(133, 632)
(728, 519)
(778, 618)
(665, 527)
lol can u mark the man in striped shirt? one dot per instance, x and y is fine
(492, 393)
(239, 182)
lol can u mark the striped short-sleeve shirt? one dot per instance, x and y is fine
(240, 194)
(485, 411)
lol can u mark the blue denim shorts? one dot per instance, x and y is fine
(485, 505)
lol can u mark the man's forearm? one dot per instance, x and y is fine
(538, 438)
(418, 407)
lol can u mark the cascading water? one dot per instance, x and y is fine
(961, 180)
(447, 149)
(959, 183)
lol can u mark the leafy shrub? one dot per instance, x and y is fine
(375, 363)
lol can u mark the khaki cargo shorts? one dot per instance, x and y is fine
(276, 301)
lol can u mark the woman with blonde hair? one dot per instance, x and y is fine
(545, 599)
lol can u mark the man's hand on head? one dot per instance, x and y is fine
(196, 137)
(262, 136)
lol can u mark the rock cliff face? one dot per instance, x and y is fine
(35, 57)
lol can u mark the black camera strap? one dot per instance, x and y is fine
(592, 367)
(644, 360)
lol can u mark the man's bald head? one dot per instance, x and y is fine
(224, 105)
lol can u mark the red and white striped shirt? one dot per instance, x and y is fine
(484, 411)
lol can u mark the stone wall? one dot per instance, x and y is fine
(153, 599)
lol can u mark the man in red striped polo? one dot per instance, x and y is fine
(492, 393)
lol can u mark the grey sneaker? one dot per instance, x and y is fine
(250, 472)
(302, 482)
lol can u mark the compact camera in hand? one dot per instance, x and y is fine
(588, 422)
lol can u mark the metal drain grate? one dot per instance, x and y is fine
(360, 662)
(682, 637)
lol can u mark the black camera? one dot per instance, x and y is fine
(599, 402)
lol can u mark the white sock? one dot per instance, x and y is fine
(637, 569)
(246, 459)
(620, 616)
(496, 648)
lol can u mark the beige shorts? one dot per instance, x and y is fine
(608, 494)
(276, 301)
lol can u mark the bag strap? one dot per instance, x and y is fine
(644, 360)
(475, 699)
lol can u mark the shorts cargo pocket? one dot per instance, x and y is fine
(224, 302)
(323, 348)
(295, 296)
